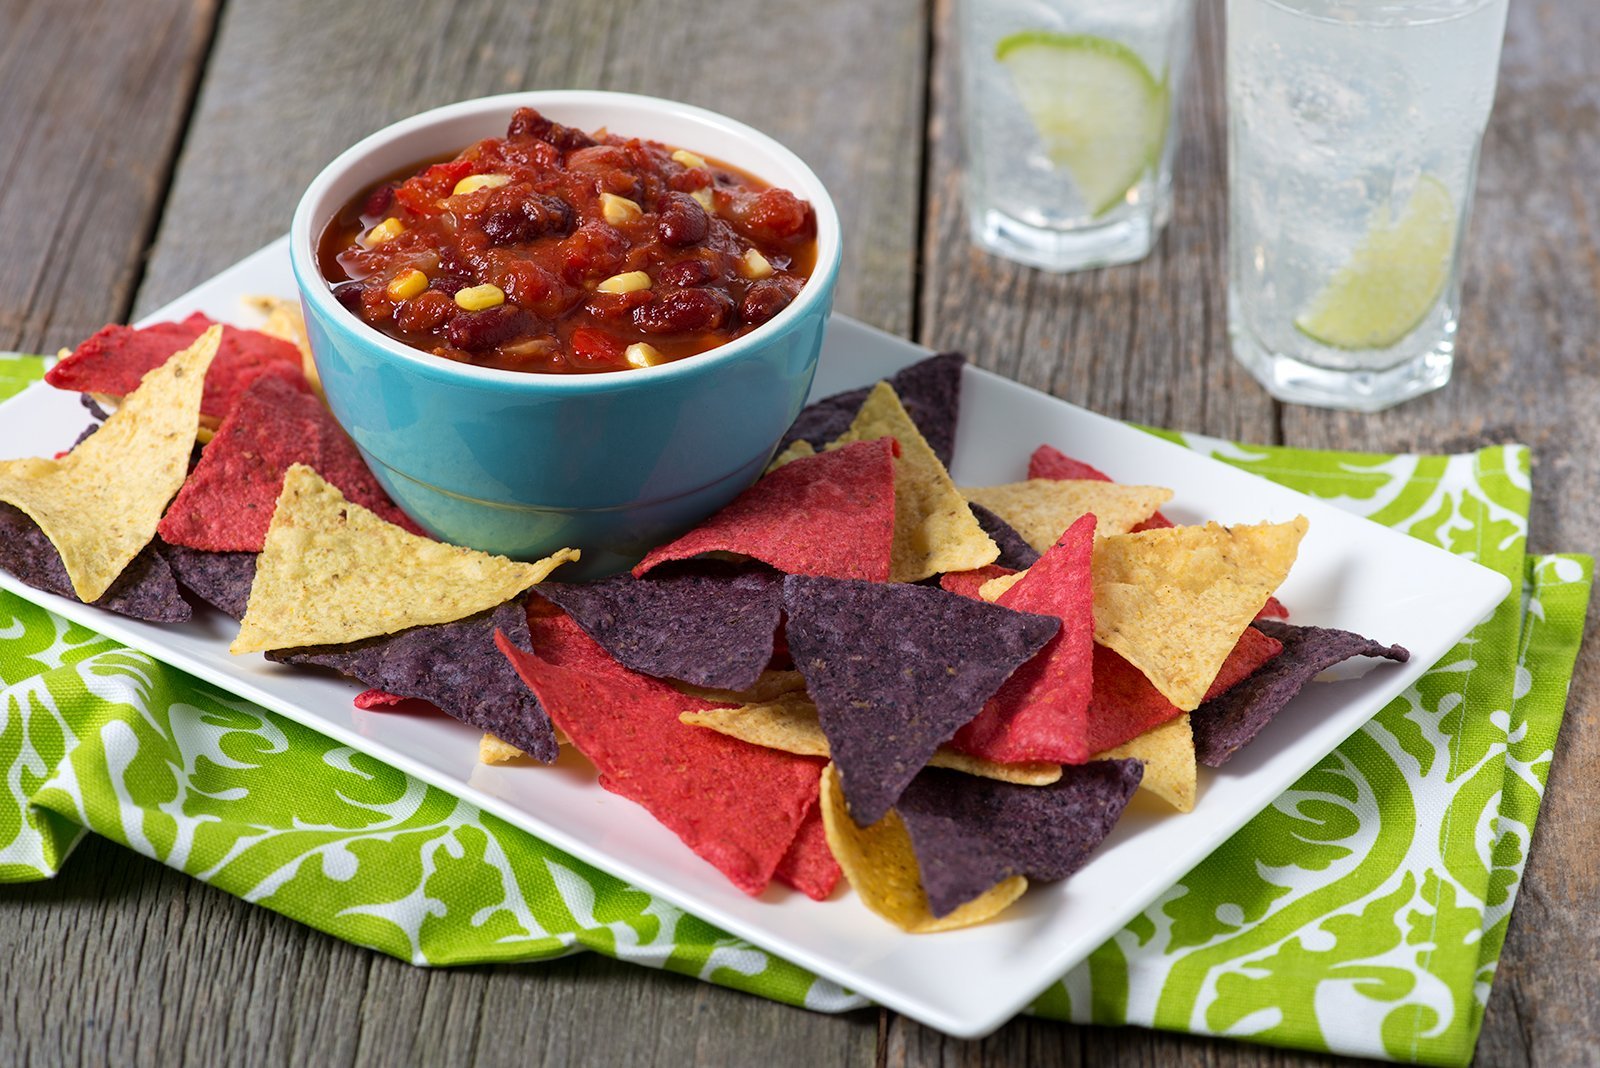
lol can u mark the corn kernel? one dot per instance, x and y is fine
(387, 230)
(474, 182)
(618, 210)
(627, 282)
(754, 265)
(703, 198)
(688, 159)
(642, 355)
(477, 298)
(407, 285)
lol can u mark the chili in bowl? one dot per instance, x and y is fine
(566, 317)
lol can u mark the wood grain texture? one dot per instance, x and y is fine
(93, 98)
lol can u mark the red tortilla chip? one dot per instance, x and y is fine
(1126, 705)
(738, 806)
(967, 583)
(369, 699)
(115, 358)
(227, 502)
(1273, 609)
(1048, 461)
(829, 515)
(1041, 712)
(809, 866)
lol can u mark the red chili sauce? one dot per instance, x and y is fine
(574, 253)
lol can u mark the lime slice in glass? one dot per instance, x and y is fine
(1393, 278)
(1101, 114)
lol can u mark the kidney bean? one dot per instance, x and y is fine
(349, 294)
(537, 216)
(378, 200)
(682, 220)
(481, 330)
(685, 273)
(765, 299)
(529, 123)
(685, 311)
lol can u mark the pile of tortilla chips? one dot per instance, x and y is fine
(856, 668)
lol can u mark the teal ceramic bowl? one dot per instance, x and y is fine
(523, 464)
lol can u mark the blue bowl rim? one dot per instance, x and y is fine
(315, 291)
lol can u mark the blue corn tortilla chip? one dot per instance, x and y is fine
(969, 833)
(895, 669)
(145, 590)
(707, 624)
(930, 390)
(1227, 723)
(221, 580)
(455, 666)
(1015, 553)
(93, 406)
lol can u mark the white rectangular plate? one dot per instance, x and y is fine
(1351, 573)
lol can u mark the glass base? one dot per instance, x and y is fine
(1297, 382)
(1122, 240)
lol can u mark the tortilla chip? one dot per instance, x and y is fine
(332, 572)
(831, 514)
(969, 583)
(1174, 602)
(930, 389)
(113, 361)
(895, 669)
(1015, 554)
(227, 502)
(934, 530)
(769, 687)
(1041, 713)
(809, 866)
(287, 322)
(969, 834)
(879, 863)
(992, 589)
(1167, 753)
(703, 623)
(738, 806)
(1048, 461)
(99, 505)
(1041, 508)
(795, 450)
(455, 666)
(492, 750)
(221, 580)
(1230, 721)
(146, 589)
(790, 723)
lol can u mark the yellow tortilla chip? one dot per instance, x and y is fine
(287, 322)
(934, 530)
(333, 572)
(1041, 509)
(100, 503)
(770, 686)
(1169, 764)
(492, 750)
(995, 588)
(878, 861)
(797, 450)
(789, 722)
(1174, 601)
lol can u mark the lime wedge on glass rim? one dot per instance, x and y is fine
(1393, 278)
(1100, 112)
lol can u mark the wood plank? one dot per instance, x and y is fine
(86, 159)
(172, 971)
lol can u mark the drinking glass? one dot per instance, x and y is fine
(1069, 110)
(1353, 136)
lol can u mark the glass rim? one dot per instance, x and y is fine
(1380, 14)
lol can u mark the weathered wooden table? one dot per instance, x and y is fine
(144, 146)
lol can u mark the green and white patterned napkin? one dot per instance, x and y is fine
(1362, 913)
